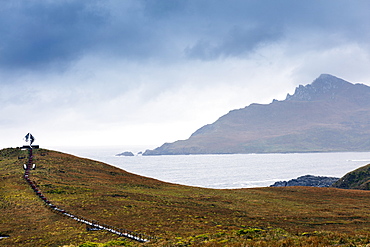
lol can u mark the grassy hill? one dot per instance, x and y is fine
(357, 179)
(177, 215)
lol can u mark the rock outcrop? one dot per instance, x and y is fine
(307, 180)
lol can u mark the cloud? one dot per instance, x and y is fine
(155, 71)
(56, 33)
(36, 34)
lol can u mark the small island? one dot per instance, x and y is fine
(126, 153)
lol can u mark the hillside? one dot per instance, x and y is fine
(357, 179)
(330, 114)
(176, 215)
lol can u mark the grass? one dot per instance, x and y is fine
(177, 215)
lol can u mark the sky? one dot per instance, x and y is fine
(143, 72)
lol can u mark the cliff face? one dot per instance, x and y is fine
(330, 114)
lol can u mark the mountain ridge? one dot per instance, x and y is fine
(324, 84)
(330, 114)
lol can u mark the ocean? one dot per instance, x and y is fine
(226, 171)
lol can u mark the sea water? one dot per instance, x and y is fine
(227, 171)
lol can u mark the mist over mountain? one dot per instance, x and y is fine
(330, 114)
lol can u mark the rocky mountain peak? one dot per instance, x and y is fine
(328, 115)
(324, 85)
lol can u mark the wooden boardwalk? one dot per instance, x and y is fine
(90, 224)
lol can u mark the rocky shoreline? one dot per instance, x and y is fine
(307, 180)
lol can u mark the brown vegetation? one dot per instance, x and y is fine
(177, 215)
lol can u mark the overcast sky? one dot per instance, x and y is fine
(115, 72)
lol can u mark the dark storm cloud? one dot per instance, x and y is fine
(240, 28)
(38, 34)
(35, 33)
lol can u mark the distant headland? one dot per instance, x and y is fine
(328, 115)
